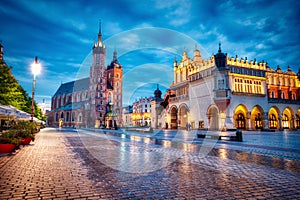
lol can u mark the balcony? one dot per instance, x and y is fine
(179, 98)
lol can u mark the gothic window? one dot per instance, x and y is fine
(80, 118)
(272, 94)
(272, 121)
(56, 117)
(240, 121)
(62, 115)
(285, 121)
(67, 117)
(283, 95)
(73, 116)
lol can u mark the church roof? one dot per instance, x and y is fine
(73, 86)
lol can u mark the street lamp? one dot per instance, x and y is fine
(35, 69)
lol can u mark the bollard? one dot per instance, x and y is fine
(239, 135)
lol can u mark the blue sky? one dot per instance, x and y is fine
(146, 34)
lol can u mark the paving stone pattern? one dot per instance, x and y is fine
(58, 166)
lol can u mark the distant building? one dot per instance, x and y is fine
(224, 93)
(127, 116)
(141, 112)
(93, 101)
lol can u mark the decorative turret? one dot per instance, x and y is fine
(220, 58)
(175, 64)
(114, 63)
(184, 54)
(157, 93)
(278, 70)
(197, 55)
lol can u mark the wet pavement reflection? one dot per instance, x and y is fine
(188, 143)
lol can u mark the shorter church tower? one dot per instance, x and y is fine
(114, 86)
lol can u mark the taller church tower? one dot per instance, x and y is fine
(98, 83)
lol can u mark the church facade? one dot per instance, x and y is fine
(95, 101)
(224, 93)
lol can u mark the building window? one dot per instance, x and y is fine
(67, 117)
(80, 118)
(283, 95)
(56, 117)
(272, 121)
(73, 116)
(272, 94)
(238, 85)
(221, 84)
(240, 121)
(257, 87)
(62, 115)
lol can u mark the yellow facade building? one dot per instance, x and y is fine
(223, 93)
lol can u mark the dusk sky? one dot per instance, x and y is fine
(147, 35)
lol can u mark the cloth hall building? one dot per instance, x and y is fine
(224, 93)
(93, 101)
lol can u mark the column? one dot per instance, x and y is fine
(249, 121)
(280, 122)
(265, 117)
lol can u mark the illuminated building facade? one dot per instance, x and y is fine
(224, 93)
(93, 101)
(141, 110)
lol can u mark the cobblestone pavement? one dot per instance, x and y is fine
(64, 164)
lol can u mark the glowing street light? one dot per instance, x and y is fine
(36, 70)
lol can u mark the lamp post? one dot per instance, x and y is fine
(35, 69)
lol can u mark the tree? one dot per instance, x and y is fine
(12, 93)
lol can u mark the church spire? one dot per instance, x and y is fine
(219, 48)
(115, 57)
(100, 33)
(99, 42)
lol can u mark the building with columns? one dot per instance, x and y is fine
(93, 101)
(223, 93)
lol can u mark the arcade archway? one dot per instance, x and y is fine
(213, 118)
(240, 117)
(273, 118)
(257, 118)
(287, 117)
(183, 116)
(174, 117)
